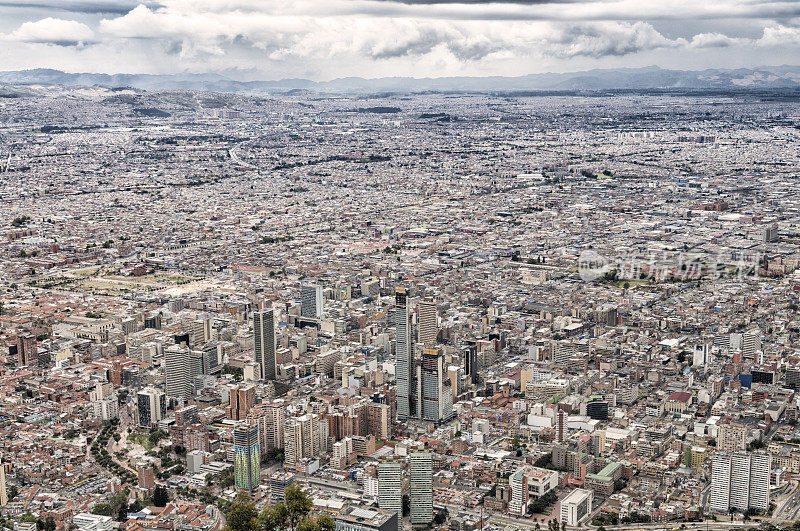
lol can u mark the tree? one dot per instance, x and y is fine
(406, 505)
(298, 504)
(273, 518)
(326, 523)
(103, 509)
(160, 496)
(242, 516)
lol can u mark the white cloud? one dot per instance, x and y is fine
(714, 40)
(779, 35)
(53, 31)
(287, 38)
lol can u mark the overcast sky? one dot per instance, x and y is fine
(325, 39)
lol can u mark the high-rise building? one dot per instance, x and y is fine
(106, 408)
(428, 322)
(739, 481)
(732, 437)
(27, 350)
(311, 301)
(242, 400)
(186, 415)
(304, 436)
(152, 406)
(470, 353)
(390, 488)
(597, 408)
(247, 456)
(437, 396)
(271, 418)
(420, 470)
(3, 491)
(264, 331)
(146, 477)
(404, 358)
(180, 368)
(210, 359)
(751, 342)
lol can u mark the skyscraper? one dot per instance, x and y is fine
(304, 436)
(271, 418)
(247, 456)
(264, 330)
(390, 488)
(740, 481)
(471, 361)
(242, 400)
(3, 492)
(180, 367)
(152, 406)
(27, 350)
(311, 301)
(428, 322)
(404, 359)
(421, 498)
(437, 396)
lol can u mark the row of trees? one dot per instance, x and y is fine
(101, 455)
(291, 514)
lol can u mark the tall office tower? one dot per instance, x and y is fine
(304, 436)
(732, 437)
(180, 368)
(3, 492)
(152, 406)
(390, 489)
(437, 396)
(210, 358)
(264, 330)
(421, 471)
(771, 234)
(404, 358)
(471, 361)
(739, 480)
(311, 301)
(428, 322)
(598, 440)
(271, 418)
(27, 350)
(247, 456)
(379, 420)
(751, 342)
(242, 400)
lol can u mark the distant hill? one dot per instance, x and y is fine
(647, 78)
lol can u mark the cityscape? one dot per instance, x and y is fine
(351, 306)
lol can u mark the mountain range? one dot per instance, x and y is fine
(646, 78)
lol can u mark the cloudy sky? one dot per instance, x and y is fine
(325, 39)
